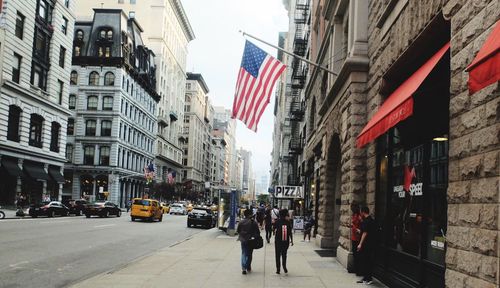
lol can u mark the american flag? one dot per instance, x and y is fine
(258, 73)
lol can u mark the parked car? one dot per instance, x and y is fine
(76, 206)
(201, 216)
(165, 207)
(147, 209)
(49, 209)
(102, 209)
(177, 208)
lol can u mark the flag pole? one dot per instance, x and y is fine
(291, 54)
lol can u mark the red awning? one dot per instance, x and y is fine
(399, 105)
(485, 68)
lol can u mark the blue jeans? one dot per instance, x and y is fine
(246, 256)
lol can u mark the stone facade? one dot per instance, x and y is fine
(338, 107)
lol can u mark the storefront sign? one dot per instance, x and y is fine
(415, 190)
(298, 223)
(288, 192)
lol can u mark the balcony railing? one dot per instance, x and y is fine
(297, 111)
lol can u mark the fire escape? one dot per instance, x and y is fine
(298, 80)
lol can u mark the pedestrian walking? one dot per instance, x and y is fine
(366, 246)
(268, 222)
(129, 203)
(260, 216)
(309, 222)
(356, 236)
(282, 240)
(247, 228)
(275, 213)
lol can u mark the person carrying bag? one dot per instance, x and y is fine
(248, 233)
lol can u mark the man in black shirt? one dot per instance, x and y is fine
(283, 239)
(366, 245)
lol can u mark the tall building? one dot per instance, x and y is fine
(196, 134)
(400, 128)
(247, 172)
(167, 32)
(224, 122)
(36, 40)
(112, 129)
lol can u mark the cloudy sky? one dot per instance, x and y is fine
(216, 54)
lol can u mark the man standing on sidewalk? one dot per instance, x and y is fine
(366, 247)
(247, 228)
(282, 240)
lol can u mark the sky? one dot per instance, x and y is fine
(216, 54)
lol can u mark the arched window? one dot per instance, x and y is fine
(92, 102)
(14, 121)
(107, 103)
(103, 34)
(109, 35)
(109, 79)
(79, 35)
(94, 78)
(73, 79)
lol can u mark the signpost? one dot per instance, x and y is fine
(232, 218)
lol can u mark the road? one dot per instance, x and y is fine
(56, 252)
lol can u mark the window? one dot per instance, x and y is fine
(105, 128)
(61, 91)
(132, 1)
(64, 26)
(19, 25)
(72, 101)
(69, 152)
(70, 130)
(109, 79)
(90, 126)
(102, 34)
(38, 76)
(92, 103)
(14, 121)
(88, 155)
(16, 68)
(76, 51)
(104, 51)
(41, 50)
(62, 56)
(73, 78)
(66, 3)
(104, 155)
(94, 78)
(54, 136)
(131, 14)
(107, 103)
(44, 10)
(36, 124)
(79, 35)
(109, 35)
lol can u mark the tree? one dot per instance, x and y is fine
(263, 198)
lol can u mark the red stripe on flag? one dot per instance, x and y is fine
(236, 94)
(258, 90)
(267, 94)
(242, 93)
(263, 93)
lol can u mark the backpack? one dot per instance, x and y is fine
(256, 242)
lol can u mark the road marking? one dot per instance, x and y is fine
(106, 225)
(50, 222)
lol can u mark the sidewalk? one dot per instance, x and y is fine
(212, 259)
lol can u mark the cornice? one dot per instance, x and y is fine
(184, 21)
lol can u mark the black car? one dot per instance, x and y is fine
(49, 209)
(76, 206)
(102, 209)
(201, 216)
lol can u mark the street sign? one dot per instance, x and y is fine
(288, 192)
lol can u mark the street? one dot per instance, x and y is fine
(56, 252)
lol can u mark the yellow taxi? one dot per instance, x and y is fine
(165, 207)
(147, 209)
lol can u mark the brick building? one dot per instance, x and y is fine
(397, 129)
